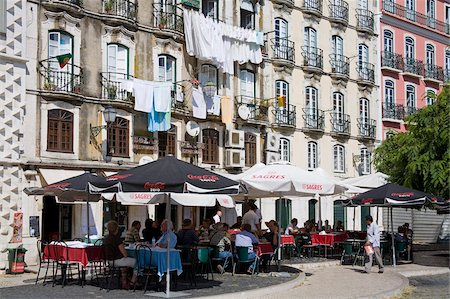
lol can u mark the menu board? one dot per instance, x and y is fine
(34, 226)
(17, 228)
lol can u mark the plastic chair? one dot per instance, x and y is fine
(360, 254)
(242, 258)
(44, 262)
(144, 264)
(347, 250)
(61, 256)
(215, 258)
(305, 244)
(189, 261)
(204, 260)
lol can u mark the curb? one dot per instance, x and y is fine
(314, 265)
(261, 291)
(425, 272)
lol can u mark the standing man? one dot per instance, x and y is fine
(252, 219)
(217, 217)
(373, 239)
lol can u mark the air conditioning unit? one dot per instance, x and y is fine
(272, 157)
(272, 142)
(234, 139)
(234, 158)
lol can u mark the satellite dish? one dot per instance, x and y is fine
(145, 160)
(244, 112)
(192, 128)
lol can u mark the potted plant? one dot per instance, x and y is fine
(49, 85)
(111, 91)
(109, 5)
(162, 21)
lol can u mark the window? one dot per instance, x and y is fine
(410, 10)
(365, 161)
(430, 97)
(211, 143)
(388, 41)
(364, 116)
(2, 17)
(167, 68)
(208, 74)
(285, 149)
(363, 55)
(250, 149)
(447, 59)
(60, 131)
(310, 38)
(337, 46)
(409, 48)
(312, 113)
(431, 13)
(166, 143)
(117, 62)
(430, 54)
(118, 138)
(338, 104)
(210, 8)
(282, 94)
(389, 95)
(281, 45)
(410, 96)
(247, 15)
(59, 43)
(312, 155)
(339, 158)
(247, 83)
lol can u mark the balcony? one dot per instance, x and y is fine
(414, 16)
(312, 59)
(121, 8)
(364, 21)
(78, 3)
(285, 116)
(367, 128)
(168, 17)
(393, 112)
(338, 13)
(314, 119)
(68, 79)
(409, 110)
(313, 7)
(288, 3)
(282, 50)
(447, 76)
(434, 73)
(340, 123)
(340, 66)
(113, 87)
(259, 109)
(392, 61)
(366, 73)
(413, 67)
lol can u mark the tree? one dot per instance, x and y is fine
(419, 158)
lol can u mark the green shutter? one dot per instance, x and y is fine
(364, 212)
(312, 209)
(283, 212)
(340, 213)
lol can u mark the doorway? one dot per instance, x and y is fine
(56, 220)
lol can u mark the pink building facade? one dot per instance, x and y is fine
(415, 57)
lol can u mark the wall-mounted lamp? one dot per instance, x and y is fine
(109, 114)
(209, 89)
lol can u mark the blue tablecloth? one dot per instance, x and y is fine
(159, 259)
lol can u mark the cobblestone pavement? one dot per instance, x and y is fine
(221, 284)
(430, 286)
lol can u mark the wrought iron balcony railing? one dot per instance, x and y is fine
(338, 12)
(410, 110)
(366, 71)
(67, 79)
(73, 2)
(285, 116)
(446, 75)
(434, 72)
(392, 60)
(259, 108)
(392, 111)
(313, 6)
(412, 15)
(365, 21)
(339, 64)
(121, 8)
(413, 66)
(282, 48)
(289, 3)
(367, 127)
(340, 123)
(312, 57)
(314, 119)
(168, 17)
(113, 87)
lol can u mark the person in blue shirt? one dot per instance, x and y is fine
(168, 238)
(373, 239)
(246, 238)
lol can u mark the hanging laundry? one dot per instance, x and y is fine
(281, 101)
(143, 95)
(227, 109)
(216, 105)
(209, 104)
(179, 94)
(158, 121)
(162, 96)
(198, 103)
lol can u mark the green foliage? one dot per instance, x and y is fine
(420, 158)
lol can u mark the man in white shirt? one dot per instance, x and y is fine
(292, 228)
(252, 218)
(373, 239)
(217, 217)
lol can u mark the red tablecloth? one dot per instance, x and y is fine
(264, 248)
(80, 255)
(234, 231)
(287, 240)
(328, 239)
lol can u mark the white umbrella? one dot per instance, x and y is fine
(369, 181)
(352, 189)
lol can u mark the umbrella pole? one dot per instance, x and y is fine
(168, 212)
(392, 239)
(279, 236)
(87, 210)
(354, 218)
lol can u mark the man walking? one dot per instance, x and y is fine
(373, 240)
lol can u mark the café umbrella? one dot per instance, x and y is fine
(164, 178)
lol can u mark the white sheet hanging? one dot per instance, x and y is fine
(143, 95)
(198, 103)
(162, 96)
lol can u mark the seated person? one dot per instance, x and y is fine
(168, 238)
(238, 223)
(219, 239)
(326, 227)
(338, 226)
(132, 235)
(272, 235)
(147, 232)
(292, 228)
(187, 237)
(116, 254)
(204, 229)
(246, 238)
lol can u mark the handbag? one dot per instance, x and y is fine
(368, 249)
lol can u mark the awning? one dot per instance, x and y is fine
(108, 173)
(247, 5)
(55, 175)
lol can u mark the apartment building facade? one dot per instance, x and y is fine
(415, 62)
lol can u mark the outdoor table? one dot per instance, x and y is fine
(287, 240)
(77, 252)
(159, 259)
(264, 248)
(328, 239)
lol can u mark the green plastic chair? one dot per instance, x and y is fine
(203, 258)
(242, 258)
(347, 250)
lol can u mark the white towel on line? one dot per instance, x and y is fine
(162, 96)
(143, 95)
(198, 103)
